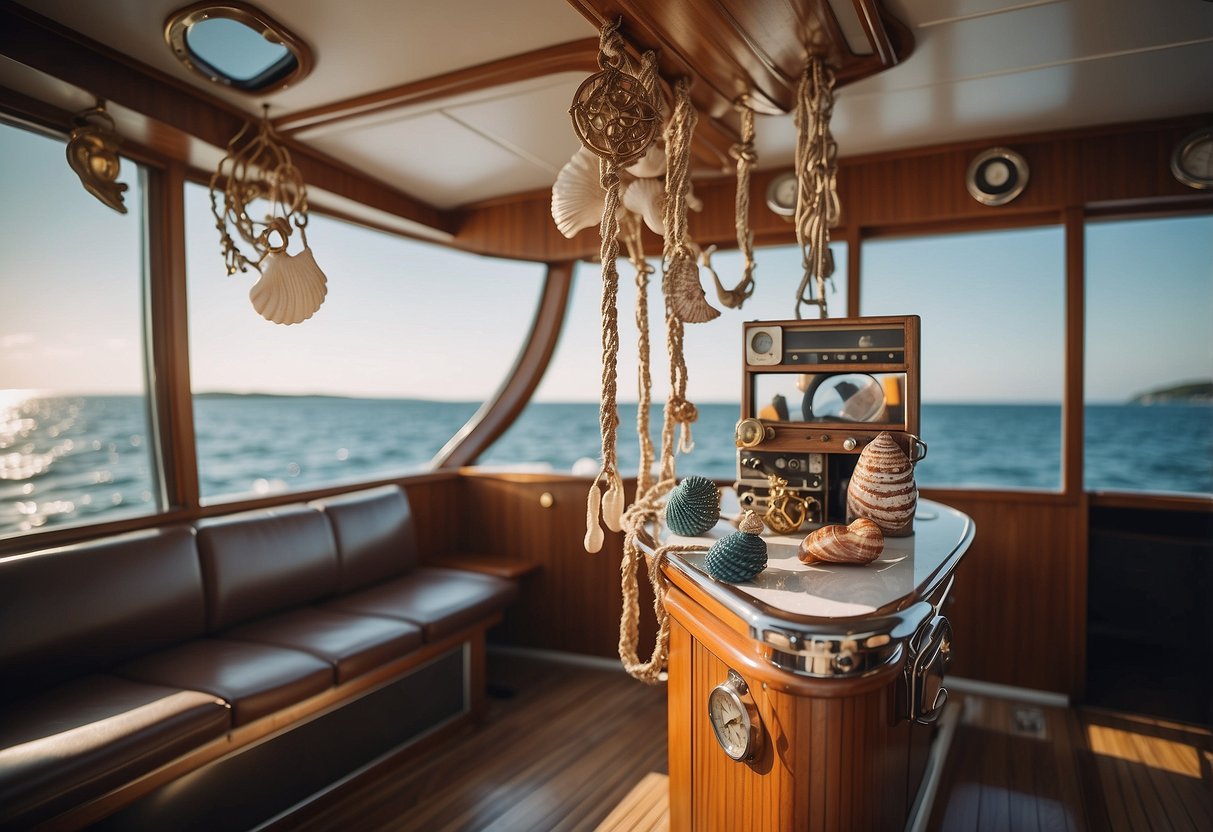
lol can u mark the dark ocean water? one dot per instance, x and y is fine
(73, 459)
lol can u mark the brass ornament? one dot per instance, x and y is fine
(614, 116)
(786, 512)
(92, 152)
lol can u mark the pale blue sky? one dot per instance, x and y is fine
(405, 319)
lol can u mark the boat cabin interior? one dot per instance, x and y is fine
(600, 414)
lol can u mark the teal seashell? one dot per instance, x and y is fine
(693, 507)
(739, 556)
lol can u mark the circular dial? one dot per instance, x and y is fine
(781, 194)
(1192, 162)
(762, 342)
(731, 721)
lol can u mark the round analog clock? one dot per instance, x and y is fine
(781, 194)
(734, 719)
(1192, 161)
(996, 176)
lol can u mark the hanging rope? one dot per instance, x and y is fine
(614, 116)
(816, 182)
(746, 157)
(634, 241)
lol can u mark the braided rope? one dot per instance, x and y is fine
(633, 239)
(816, 182)
(746, 156)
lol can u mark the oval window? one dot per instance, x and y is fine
(237, 45)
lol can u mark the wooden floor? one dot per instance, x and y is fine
(584, 749)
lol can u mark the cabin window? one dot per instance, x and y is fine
(559, 429)
(1149, 355)
(75, 437)
(412, 338)
(993, 349)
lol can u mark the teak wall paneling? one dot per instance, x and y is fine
(572, 602)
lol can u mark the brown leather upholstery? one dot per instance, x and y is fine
(76, 741)
(353, 644)
(78, 609)
(374, 533)
(442, 601)
(255, 679)
(260, 562)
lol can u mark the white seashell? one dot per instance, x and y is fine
(681, 285)
(646, 197)
(861, 542)
(693, 202)
(612, 505)
(651, 164)
(882, 487)
(291, 288)
(577, 195)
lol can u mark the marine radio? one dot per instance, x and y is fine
(815, 393)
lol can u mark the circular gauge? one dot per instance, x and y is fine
(1192, 161)
(750, 433)
(734, 720)
(996, 176)
(762, 342)
(781, 194)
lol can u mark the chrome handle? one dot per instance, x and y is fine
(941, 700)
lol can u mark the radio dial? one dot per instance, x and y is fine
(751, 433)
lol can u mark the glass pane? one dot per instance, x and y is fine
(1149, 355)
(411, 340)
(993, 334)
(75, 442)
(559, 429)
(234, 49)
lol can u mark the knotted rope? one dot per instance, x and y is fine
(746, 157)
(816, 182)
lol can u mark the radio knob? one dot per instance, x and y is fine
(849, 444)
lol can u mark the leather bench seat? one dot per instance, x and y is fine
(77, 740)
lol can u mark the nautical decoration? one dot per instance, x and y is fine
(882, 487)
(693, 507)
(786, 510)
(816, 162)
(644, 197)
(577, 194)
(258, 171)
(92, 152)
(739, 556)
(746, 157)
(687, 297)
(861, 542)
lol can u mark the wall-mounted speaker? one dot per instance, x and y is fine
(996, 176)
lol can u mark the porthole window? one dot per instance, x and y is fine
(237, 45)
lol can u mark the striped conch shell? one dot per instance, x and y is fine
(577, 195)
(291, 287)
(882, 487)
(681, 286)
(861, 542)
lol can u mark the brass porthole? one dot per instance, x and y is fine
(237, 45)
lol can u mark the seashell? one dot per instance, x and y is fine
(693, 507)
(577, 195)
(882, 487)
(694, 203)
(291, 287)
(861, 542)
(685, 295)
(651, 164)
(594, 537)
(646, 197)
(612, 505)
(739, 556)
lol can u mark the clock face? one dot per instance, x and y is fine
(1192, 162)
(781, 194)
(733, 721)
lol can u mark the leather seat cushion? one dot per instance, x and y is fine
(255, 679)
(374, 533)
(442, 601)
(77, 741)
(353, 644)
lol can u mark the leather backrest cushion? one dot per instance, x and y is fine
(85, 607)
(375, 536)
(260, 562)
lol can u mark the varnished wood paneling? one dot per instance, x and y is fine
(572, 602)
(1017, 605)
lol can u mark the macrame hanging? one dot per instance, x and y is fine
(615, 115)
(92, 152)
(257, 172)
(817, 206)
(746, 157)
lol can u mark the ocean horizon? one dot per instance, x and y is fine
(72, 458)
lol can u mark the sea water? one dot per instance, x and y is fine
(74, 459)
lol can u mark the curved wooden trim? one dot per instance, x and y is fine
(575, 56)
(497, 414)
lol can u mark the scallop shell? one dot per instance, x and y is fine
(861, 542)
(693, 507)
(882, 487)
(684, 292)
(577, 195)
(651, 164)
(645, 197)
(739, 556)
(291, 287)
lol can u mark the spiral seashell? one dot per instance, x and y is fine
(645, 197)
(291, 288)
(693, 507)
(684, 292)
(651, 164)
(739, 556)
(861, 542)
(577, 195)
(882, 487)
